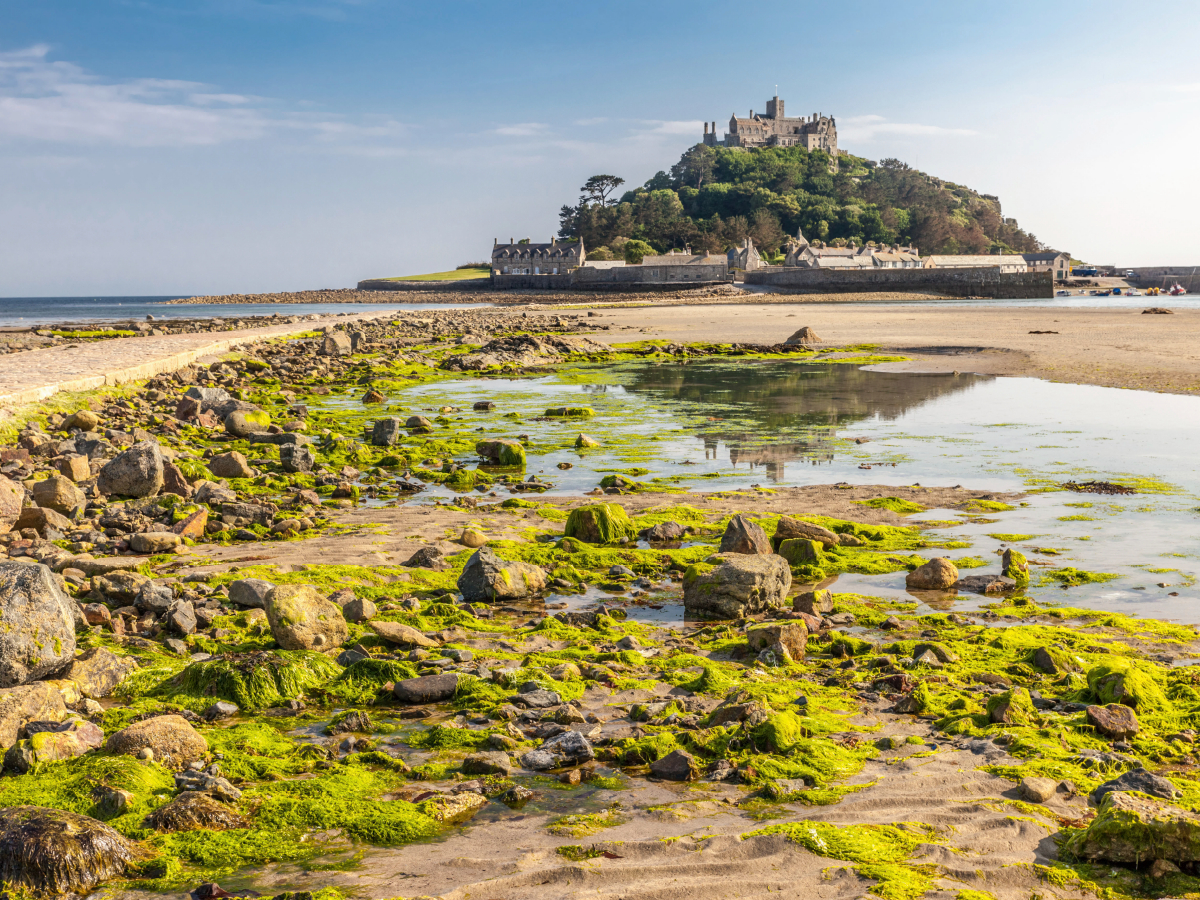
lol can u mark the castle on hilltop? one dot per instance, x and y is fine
(774, 129)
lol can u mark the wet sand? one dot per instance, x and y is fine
(1108, 347)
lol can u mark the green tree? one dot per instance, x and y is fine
(695, 167)
(597, 188)
(636, 251)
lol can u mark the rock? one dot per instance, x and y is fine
(567, 749)
(250, 593)
(97, 614)
(425, 558)
(1013, 707)
(136, 472)
(209, 398)
(663, 532)
(40, 519)
(59, 494)
(174, 481)
(230, 465)
(214, 494)
(472, 537)
(52, 852)
(154, 542)
(181, 618)
(12, 498)
(753, 714)
(538, 699)
(1014, 565)
(82, 420)
(222, 709)
(454, 808)
(1038, 790)
(152, 597)
(1137, 780)
(359, 610)
(406, 635)
(243, 423)
(385, 432)
(427, 689)
(37, 624)
(599, 523)
(743, 536)
(487, 578)
(336, 343)
(793, 529)
(53, 742)
(1114, 721)
(792, 635)
(815, 603)
(193, 525)
(984, 584)
(491, 762)
(193, 809)
(801, 552)
(1130, 830)
(804, 336)
(97, 671)
(27, 703)
(296, 458)
(678, 765)
(417, 422)
(939, 574)
(502, 452)
(301, 619)
(1161, 868)
(582, 441)
(170, 738)
(121, 587)
(736, 586)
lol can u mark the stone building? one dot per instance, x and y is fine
(802, 254)
(536, 259)
(1058, 263)
(745, 257)
(774, 129)
(1008, 263)
(675, 266)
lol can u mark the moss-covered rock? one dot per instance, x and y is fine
(502, 452)
(301, 619)
(1133, 828)
(599, 523)
(1014, 707)
(1016, 567)
(487, 578)
(738, 585)
(52, 852)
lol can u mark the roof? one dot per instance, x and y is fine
(1042, 257)
(1010, 259)
(843, 262)
(537, 251)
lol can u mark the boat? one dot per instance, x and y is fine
(1133, 292)
(1177, 289)
(1063, 294)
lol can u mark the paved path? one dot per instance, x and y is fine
(37, 374)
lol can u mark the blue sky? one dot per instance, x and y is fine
(152, 147)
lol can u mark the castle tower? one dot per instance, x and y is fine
(775, 108)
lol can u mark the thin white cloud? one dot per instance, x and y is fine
(867, 128)
(59, 102)
(523, 129)
(1185, 88)
(671, 127)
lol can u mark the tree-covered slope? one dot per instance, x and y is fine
(714, 197)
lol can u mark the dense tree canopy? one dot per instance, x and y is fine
(715, 197)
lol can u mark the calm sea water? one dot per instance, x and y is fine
(47, 310)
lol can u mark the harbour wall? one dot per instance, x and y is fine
(987, 281)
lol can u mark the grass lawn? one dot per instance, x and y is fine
(454, 275)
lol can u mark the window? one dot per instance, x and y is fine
(537, 270)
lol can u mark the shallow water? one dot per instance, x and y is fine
(725, 425)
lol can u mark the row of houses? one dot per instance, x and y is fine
(565, 264)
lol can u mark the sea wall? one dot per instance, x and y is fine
(981, 282)
(466, 284)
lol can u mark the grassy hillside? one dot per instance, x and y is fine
(714, 197)
(453, 275)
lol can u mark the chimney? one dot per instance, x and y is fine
(553, 240)
(706, 128)
(495, 242)
(511, 241)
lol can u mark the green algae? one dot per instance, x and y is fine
(1012, 538)
(1069, 576)
(252, 681)
(604, 523)
(895, 504)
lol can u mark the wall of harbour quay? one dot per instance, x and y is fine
(987, 282)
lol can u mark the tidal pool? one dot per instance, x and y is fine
(728, 425)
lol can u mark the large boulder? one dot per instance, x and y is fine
(398, 633)
(736, 585)
(230, 465)
(301, 619)
(53, 853)
(53, 742)
(1138, 779)
(59, 494)
(37, 702)
(792, 529)
(337, 343)
(1114, 721)
(83, 420)
(250, 593)
(792, 635)
(743, 536)
(209, 398)
(599, 523)
(37, 624)
(1130, 829)
(194, 809)
(386, 432)
(245, 422)
(804, 336)
(678, 765)
(427, 688)
(97, 672)
(297, 458)
(939, 574)
(136, 472)
(172, 741)
(486, 577)
(567, 749)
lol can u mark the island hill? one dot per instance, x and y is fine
(777, 192)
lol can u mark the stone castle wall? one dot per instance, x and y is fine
(982, 282)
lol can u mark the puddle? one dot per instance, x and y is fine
(722, 425)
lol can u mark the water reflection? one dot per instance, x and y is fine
(769, 414)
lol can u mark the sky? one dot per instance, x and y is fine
(152, 147)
